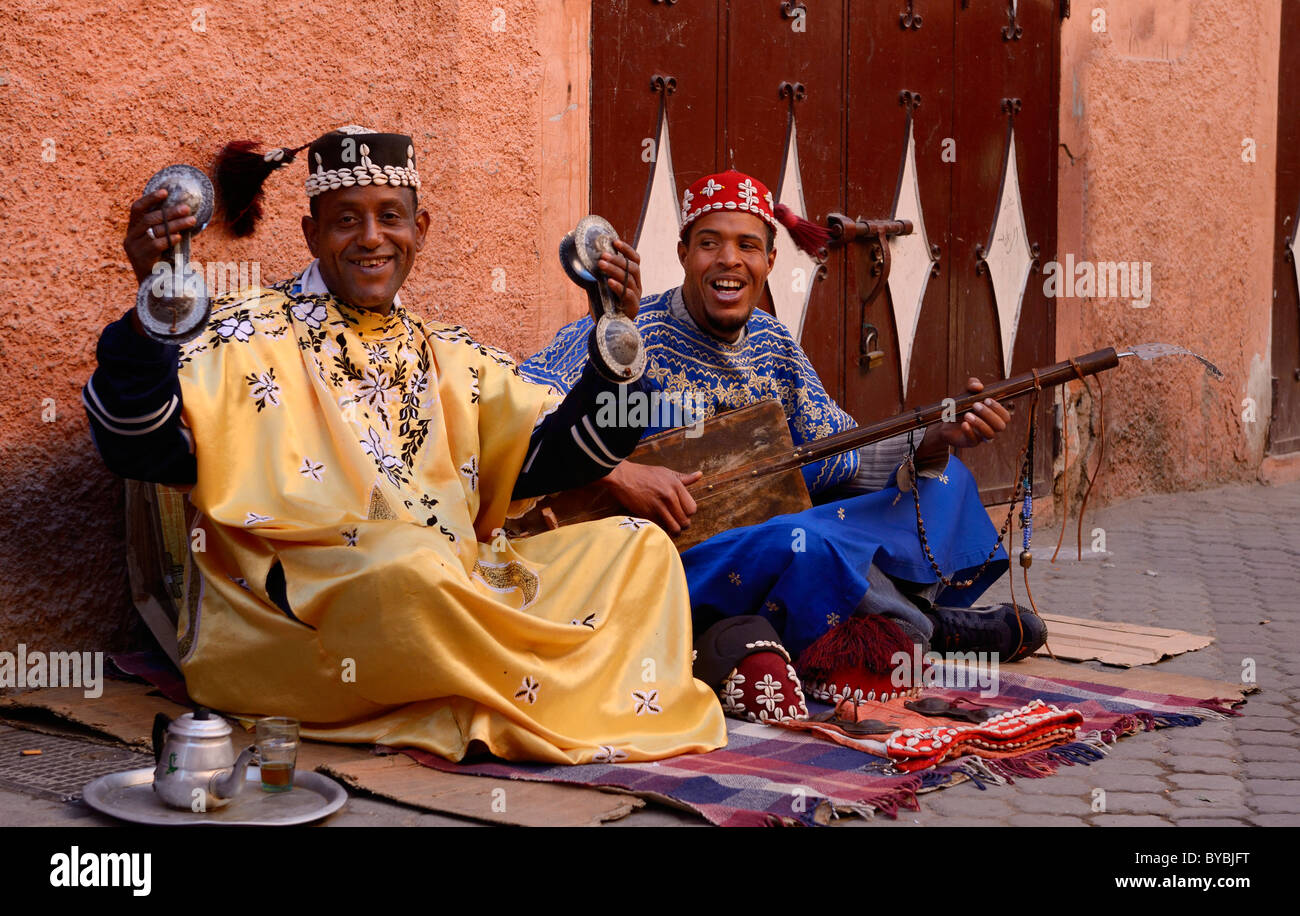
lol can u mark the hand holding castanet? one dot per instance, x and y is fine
(172, 303)
(609, 271)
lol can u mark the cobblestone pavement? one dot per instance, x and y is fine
(1223, 563)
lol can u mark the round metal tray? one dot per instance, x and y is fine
(130, 797)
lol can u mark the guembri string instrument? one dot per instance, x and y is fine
(751, 467)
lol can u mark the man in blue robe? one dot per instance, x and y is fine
(712, 350)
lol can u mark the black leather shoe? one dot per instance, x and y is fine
(991, 629)
(912, 633)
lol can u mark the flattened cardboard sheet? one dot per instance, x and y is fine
(1123, 644)
(1147, 679)
(484, 798)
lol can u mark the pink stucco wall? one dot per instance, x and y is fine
(1154, 112)
(494, 94)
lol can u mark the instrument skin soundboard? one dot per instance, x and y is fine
(728, 442)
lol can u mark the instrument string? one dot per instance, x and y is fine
(1101, 452)
(1065, 467)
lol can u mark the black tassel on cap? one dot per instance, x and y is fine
(239, 172)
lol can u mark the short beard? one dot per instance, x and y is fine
(728, 330)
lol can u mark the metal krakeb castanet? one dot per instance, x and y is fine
(173, 300)
(618, 354)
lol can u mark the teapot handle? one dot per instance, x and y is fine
(160, 723)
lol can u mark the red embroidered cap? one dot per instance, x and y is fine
(733, 190)
(730, 190)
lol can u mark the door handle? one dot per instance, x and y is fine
(870, 241)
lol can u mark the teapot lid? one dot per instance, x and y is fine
(199, 724)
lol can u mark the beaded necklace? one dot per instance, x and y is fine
(1024, 485)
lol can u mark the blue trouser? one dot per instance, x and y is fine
(807, 571)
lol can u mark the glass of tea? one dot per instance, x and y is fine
(277, 748)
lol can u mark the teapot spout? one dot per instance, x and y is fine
(227, 783)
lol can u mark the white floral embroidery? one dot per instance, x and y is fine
(312, 469)
(371, 388)
(265, 390)
(608, 754)
(470, 470)
(748, 193)
(769, 690)
(710, 188)
(240, 328)
(254, 518)
(374, 447)
(732, 694)
(310, 313)
(527, 692)
(378, 352)
(647, 701)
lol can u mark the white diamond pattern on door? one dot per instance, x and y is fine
(791, 280)
(910, 271)
(656, 237)
(1009, 258)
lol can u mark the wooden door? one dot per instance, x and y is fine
(1284, 425)
(859, 78)
(1006, 74)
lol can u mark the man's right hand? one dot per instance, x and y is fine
(656, 493)
(146, 214)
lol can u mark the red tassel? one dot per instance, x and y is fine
(808, 236)
(238, 173)
(865, 642)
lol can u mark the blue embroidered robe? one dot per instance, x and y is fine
(808, 571)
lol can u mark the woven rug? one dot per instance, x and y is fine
(772, 776)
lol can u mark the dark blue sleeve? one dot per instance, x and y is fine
(133, 401)
(584, 438)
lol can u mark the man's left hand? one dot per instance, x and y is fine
(980, 424)
(624, 272)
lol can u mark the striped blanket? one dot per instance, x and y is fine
(768, 775)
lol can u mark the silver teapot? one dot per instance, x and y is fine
(196, 764)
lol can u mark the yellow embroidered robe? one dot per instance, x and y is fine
(374, 457)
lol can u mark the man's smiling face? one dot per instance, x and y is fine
(727, 259)
(366, 240)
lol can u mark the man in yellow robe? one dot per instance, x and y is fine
(353, 465)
